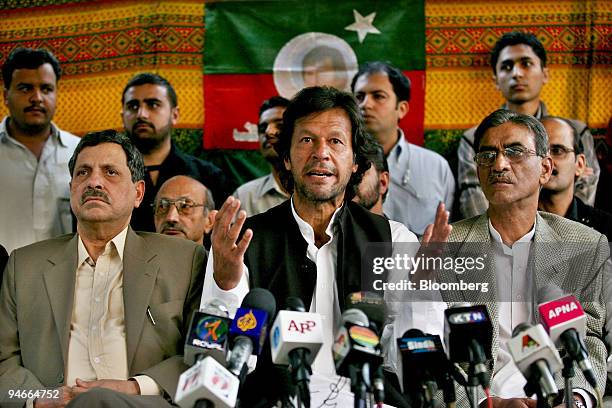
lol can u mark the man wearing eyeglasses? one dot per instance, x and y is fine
(558, 195)
(512, 164)
(518, 60)
(184, 207)
(149, 112)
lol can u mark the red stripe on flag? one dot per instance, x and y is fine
(413, 124)
(231, 101)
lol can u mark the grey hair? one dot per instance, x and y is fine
(501, 116)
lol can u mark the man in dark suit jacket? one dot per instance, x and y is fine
(99, 317)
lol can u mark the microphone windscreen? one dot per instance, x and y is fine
(410, 333)
(262, 299)
(549, 292)
(215, 307)
(355, 316)
(372, 304)
(295, 304)
(519, 328)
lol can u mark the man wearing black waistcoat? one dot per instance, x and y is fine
(310, 245)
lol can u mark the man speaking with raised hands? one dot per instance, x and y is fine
(306, 246)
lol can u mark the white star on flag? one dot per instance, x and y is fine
(363, 25)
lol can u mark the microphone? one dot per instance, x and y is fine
(565, 322)
(425, 366)
(295, 339)
(207, 335)
(207, 384)
(295, 330)
(372, 304)
(536, 357)
(374, 307)
(468, 334)
(356, 352)
(249, 328)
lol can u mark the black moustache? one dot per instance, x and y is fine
(94, 193)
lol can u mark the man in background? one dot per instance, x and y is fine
(265, 192)
(519, 68)
(184, 207)
(34, 152)
(420, 178)
(150, 110)
(372, 190)
(558, 195)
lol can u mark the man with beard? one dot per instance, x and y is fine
(557, 196)
(34, 153)
(265, 192)
(307, 246)
(519, 68)
(372, 190)
(185, 208)
(150, 110)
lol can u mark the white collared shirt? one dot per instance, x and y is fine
(36, 195)
(515, 296)
(516, 302)
(325, 300)
(259, 195)
(97, 346)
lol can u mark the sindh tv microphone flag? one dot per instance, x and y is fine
(257, 49)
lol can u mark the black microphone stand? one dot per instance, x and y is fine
(477, 374)
(300, 375)
(359, 385)
(568, 373)
(532, 387)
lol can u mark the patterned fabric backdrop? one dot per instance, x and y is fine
(101, 44)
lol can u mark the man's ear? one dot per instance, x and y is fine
(175, 115)
(140, 188)
(403, 107)
(383, 182)
(287, 163)
(546, 76)
(580, 165)
(547, 166)
(5, 96)
(494, 78)
(210, 221)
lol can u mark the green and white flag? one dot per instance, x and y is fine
(256, 49)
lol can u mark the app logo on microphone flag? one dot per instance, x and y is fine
(211, 328)
(247, 322)
(220, 381)
(468, 317)
(364, 336)
(529, 343)
(418, 344)
(276, 337)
